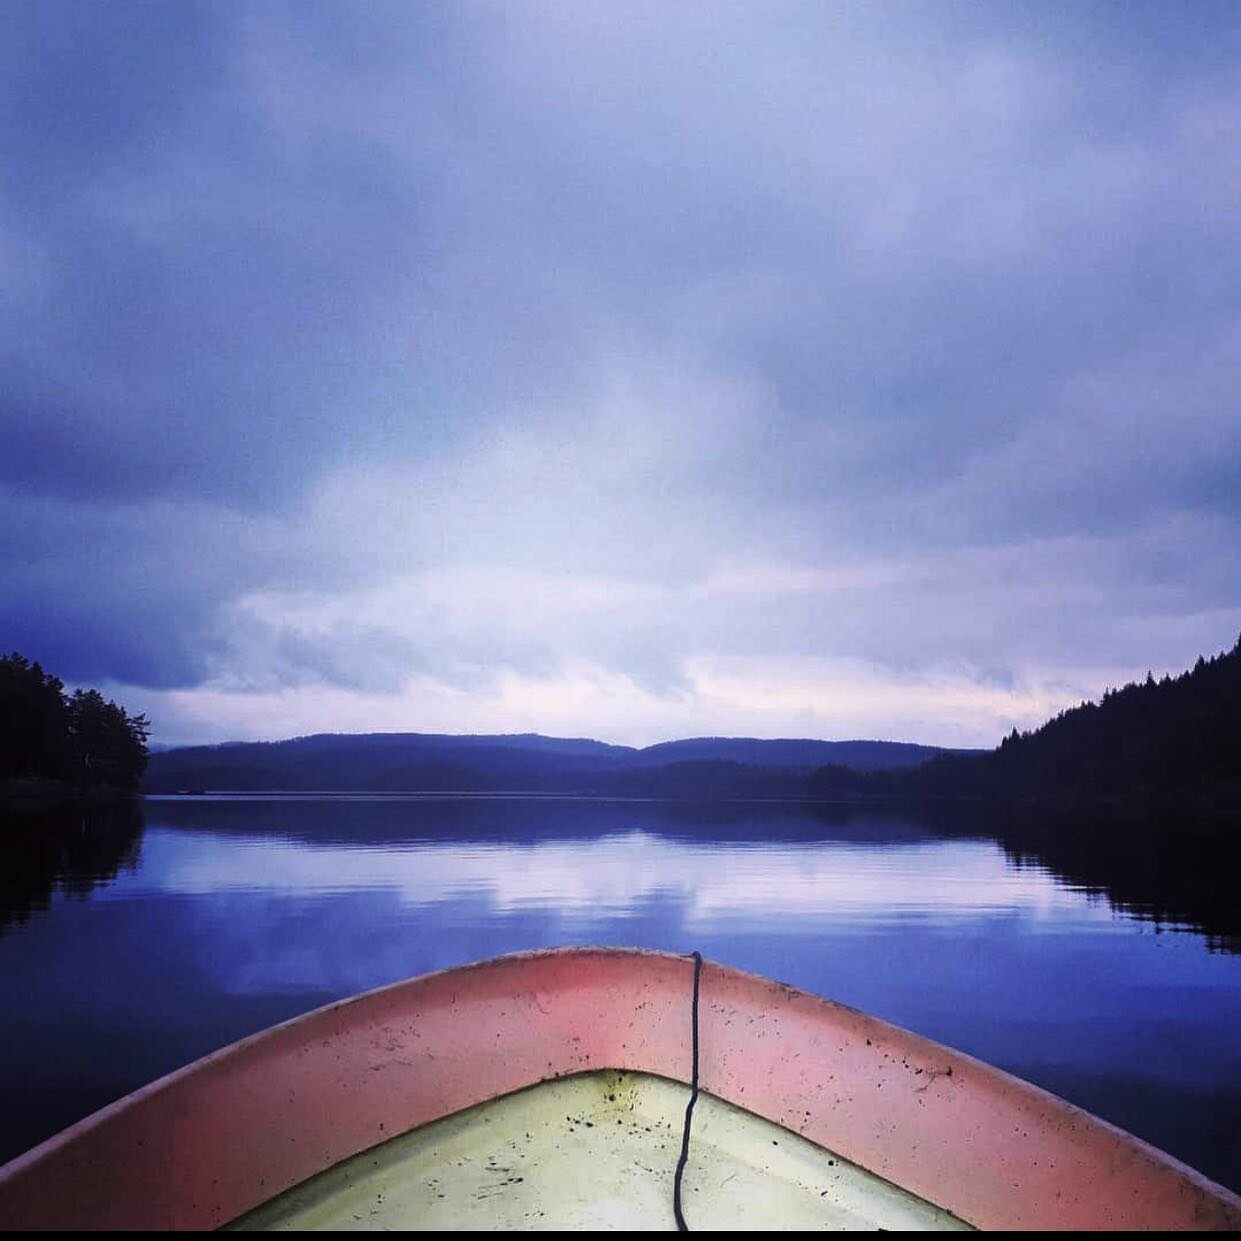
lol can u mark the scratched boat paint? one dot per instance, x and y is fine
(597, 1151)
(214, 1142)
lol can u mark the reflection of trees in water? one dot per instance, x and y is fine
(380, 820)
(1169, 869)
(1177, 871)
(68, 849)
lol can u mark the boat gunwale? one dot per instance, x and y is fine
(1217, 1206)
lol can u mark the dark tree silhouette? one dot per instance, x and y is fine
(106, 745)
(1176, 737)
(34, 720)
(83, 739)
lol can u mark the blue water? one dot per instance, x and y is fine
(222, 916)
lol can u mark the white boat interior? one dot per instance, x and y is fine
(596, 1151)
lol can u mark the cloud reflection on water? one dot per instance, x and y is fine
(937, 881)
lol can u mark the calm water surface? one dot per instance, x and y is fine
(126, 951)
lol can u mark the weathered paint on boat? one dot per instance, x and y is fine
(204, 1146)
(592, 1152)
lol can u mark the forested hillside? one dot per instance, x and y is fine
(80, 739)
(1174, 735)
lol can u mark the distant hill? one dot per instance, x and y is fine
(528, 762)
(859, 755)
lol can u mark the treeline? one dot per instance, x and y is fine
(1175, 737)
(80, 738)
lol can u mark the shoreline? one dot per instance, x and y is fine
(32, 794)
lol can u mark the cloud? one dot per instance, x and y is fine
(559, 359)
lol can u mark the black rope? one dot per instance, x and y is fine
(682, 1226)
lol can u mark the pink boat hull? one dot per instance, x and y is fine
(204, 1145)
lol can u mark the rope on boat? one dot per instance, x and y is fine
(682, 1226)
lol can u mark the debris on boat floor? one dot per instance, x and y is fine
(597, 1150)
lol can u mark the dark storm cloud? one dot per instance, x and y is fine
(198, 282)
(306, 303)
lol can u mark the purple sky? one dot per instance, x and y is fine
(628, 370)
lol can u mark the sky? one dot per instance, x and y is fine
(625, 370)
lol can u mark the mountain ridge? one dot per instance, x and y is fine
(415, 762)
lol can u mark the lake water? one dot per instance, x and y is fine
(132, 945)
